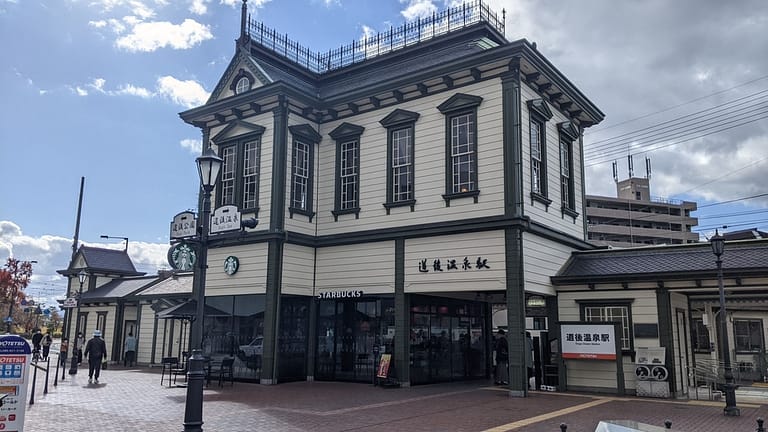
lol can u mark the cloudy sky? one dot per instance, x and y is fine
(93, 88)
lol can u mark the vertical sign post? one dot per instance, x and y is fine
(15, 357)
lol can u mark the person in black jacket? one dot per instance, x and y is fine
(502, 359)
(37, 338)
(95, 351)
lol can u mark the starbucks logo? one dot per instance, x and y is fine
(182, 257)
(231, 264)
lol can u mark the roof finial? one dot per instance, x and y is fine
(243, 19)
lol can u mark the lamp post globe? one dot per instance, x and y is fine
(208, 167)
(718, 248)
(73, 365)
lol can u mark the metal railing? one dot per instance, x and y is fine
(408, 34)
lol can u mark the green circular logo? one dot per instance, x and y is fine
(231, 265)
(182, 257)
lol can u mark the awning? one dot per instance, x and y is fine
(188, 310)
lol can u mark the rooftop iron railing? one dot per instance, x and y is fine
(412, 33)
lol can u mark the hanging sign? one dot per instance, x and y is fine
(384, 365)
(225, 218)
(184, 225)
(15, 356)
(70, 302)
(182, 256)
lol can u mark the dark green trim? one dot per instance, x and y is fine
(515, 293)
(117, 331)
(279, 158)
(513, 139)
(539, 197)
(312, 339)
(459, 102)
(272, 312)
(397, 120)
(666, 319)
(568, 134)
(402, 315)
(305, 134)
(154, 340)
(539, 116)
(583, 182)
(457, 105)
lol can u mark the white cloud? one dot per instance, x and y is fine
(194, 146)
(188, 93)
(235, 3)
(368, 32)
(418, 9)
(151, 36)
(198, 7)
(97, 24)
(131, 90)
(98, 84)
(81, 91)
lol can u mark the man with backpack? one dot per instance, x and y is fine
(95, 351)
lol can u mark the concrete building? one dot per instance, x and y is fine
(635, 217)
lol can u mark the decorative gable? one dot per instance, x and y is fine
(235, 129)
(306, 132)
(569, 129)
(540, 107)
(241, 66)
(399, 116)
(459, 101)
(346, 130)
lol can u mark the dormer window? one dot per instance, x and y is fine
(243, 85)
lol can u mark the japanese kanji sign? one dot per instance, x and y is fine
(438, 265)
(593, 341)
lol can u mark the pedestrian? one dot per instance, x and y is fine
(63, 349)
(95, 351)
(79, 345)
(502, 359)
(529, 361)
(47, 341)
(130, 350)
(37, 339)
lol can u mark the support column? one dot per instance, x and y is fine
(512, 139)
(518, 373)
(312, 339)
(402, 318)
(664, 306)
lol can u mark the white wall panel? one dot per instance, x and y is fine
(369, 267)
(249, 279)
(542, 259)
(429, 165)
(489, 245)
(298, 270)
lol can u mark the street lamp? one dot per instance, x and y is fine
(718, 247)
(208, 167)
(81, 277)
(119, 238)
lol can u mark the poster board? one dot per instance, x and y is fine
(603, 343)
(15, 357)
(383, 370)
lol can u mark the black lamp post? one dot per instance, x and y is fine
(81, 277)
(718, 247)
(208, 166)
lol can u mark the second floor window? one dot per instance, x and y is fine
(461, 146)
(538, 181)
(301, 172)
(347, 199)
(402, 164)
(566, 181)
(349, 177)
(539, 113)
(239, 179)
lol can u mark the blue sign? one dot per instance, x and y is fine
(12, 344)
(8, 319)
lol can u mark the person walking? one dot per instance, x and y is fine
(502, 359)
(37, 339)
(95, 351)
(130, 350)
(79, 345)
(63, 350)
(47, 341)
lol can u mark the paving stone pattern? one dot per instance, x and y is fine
(134, 400)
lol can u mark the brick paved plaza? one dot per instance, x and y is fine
(134, 400)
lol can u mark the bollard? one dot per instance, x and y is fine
(760, 427)
(193, 408)
(34, 381)
(668, 424)
(56, 377)
(47, 368)
(563, 427)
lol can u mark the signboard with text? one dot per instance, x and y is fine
(225, 218)
(15, 355)
(184, 225)
(588, 341)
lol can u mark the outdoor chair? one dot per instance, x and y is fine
(226, 372)
(181, 369)
(168, 363)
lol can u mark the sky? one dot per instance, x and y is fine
(93, 89)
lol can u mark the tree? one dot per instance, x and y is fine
(14, 278)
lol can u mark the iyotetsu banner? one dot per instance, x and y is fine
(14, 371)
(589, 341)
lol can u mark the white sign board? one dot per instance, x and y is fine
(592, 341)
(225, 218)
(15, 356)
(184, 225)
(70, 302)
